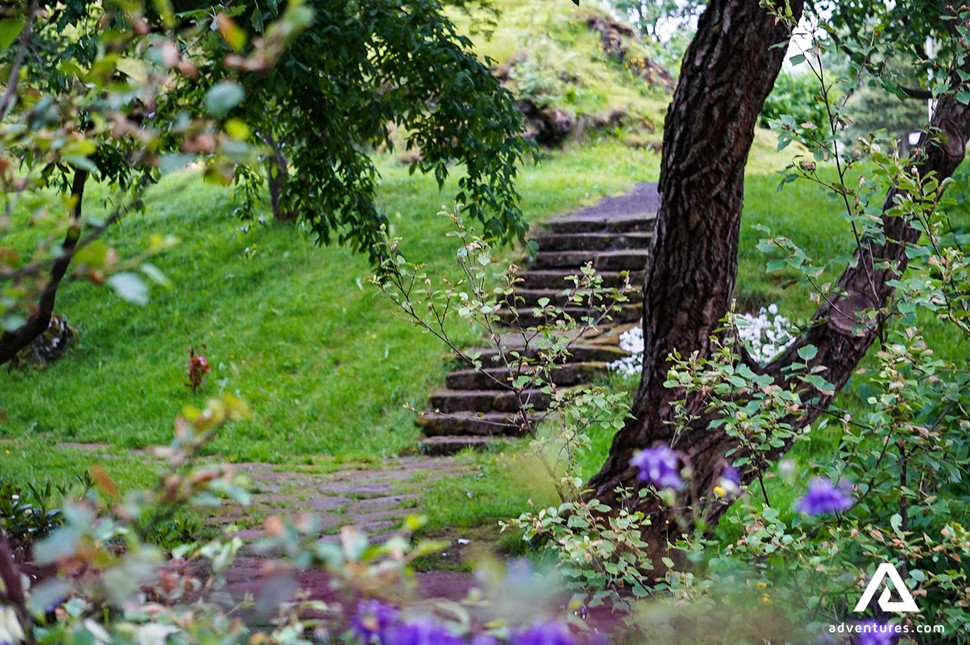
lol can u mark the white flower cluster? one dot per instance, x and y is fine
(631, 341)
(765, 334)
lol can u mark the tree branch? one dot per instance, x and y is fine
(8, 95)
(12, 342)
(837, 329)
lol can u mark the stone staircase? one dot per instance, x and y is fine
(615, 235)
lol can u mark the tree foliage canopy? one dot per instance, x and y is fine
(371, 74)
(121, 91)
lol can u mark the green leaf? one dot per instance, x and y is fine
(155, 275)
(797, 59)
(164, 9)
(93, 255)
(223, 97)
(896, 521)
(129, 287)
(237, 129)
(81, 162)
(134, 68)
(808, 352)
(233, 35)
(10, 28)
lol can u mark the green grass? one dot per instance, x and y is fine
(561, 60)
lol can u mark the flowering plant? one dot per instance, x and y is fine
(197, 368)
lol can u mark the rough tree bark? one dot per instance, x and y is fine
(277, 174)
(36, 324)
(727, 72)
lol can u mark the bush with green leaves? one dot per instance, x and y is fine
(30, 511)
(795, 96)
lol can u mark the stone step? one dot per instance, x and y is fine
(494, 400)
(593, 241)
(451, 444)
(627, 312)
(563, 376)
(487, 424)
(530, 297)
(624, 260)
(581, 223)
(560, 279)
(577, 353)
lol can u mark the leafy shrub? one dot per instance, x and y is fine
(795, 95)
(29, 512)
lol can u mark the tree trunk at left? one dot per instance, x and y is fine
(11, 342)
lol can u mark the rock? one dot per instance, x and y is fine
(615, 38)
(49, 346)
(547, 126)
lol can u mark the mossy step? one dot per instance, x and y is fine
(451, 444)
(594, 241)
(624, 260)
(577, 353)
(530, 297)
(478, 424)
(493, 400)
(563, 376)
(627, 312)
(592, 223)
(561, 278)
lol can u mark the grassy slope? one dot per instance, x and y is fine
(563, 62)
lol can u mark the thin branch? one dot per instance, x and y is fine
(11, 91)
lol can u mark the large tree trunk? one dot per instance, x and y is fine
(727, 72)
(39, 319)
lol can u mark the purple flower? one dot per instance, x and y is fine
(373, 620)
(484, 639)
(875, 633)
(658, 466)
(824, 497)
(731, 474)
(420, 632)
(543, 634)
(729, 483)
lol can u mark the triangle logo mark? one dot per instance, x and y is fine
(885, 570)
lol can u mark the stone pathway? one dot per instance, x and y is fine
(375, 500)
(615, 234)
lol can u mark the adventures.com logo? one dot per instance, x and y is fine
(895, 598)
